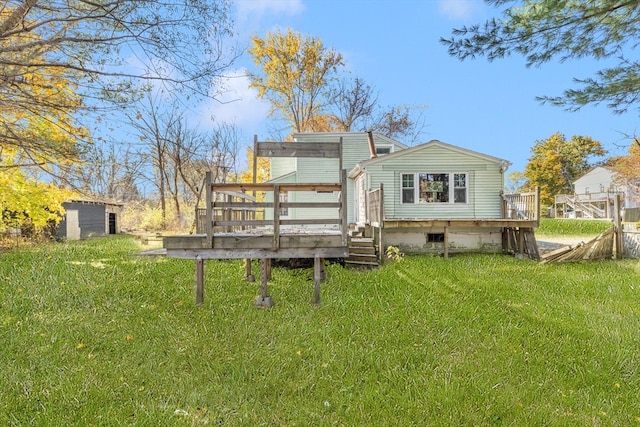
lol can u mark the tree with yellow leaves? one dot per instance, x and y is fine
(296, 71)
(556, 162)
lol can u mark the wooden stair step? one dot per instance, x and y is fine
(363, 263)
(362, 257)
(362, 250)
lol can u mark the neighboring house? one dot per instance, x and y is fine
(594, 195)
(436, 196)
(88, 218)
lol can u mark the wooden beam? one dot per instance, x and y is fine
(258, 253)
(247, 187)
(298, 149)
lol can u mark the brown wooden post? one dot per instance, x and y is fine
(381, 224)
(446, 242)
(317, 278)
(276, 216)
(618, 226)
(264, 299)
(199, 280)
(248, 275)
(520, 234)
(209, 201)
(537, 207)
(343, 206)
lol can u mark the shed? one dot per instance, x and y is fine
(89, 218)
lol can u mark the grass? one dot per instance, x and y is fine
(572, 227)
(94, 335)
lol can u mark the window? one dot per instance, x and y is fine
(435, 237)
(383, 149)
(459, 188)
(434, 187)
(408, 188)
(283, 198)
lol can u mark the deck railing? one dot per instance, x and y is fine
(233, 208)
(525, 206)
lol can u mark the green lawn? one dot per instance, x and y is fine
(572, 227)
(93, 335)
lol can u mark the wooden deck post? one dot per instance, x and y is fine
(446, 242)
(264, 299)
(199, 280)
(209, 201)
(317, 278)
(618, 226)
(248, 275)
(520, 234)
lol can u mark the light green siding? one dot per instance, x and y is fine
(484, 176)
(280, 166)
(484, 182)
(355, 149)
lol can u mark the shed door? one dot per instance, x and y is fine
(73, 225)
(112, 223)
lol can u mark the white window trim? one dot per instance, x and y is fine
(389, 146)
(416, 188)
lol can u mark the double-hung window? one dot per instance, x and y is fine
(426, 187)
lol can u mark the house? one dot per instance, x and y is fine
(431, 198)
(89, 218)
(594, 195)
(355, 148)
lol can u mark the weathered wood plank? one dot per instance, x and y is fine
(298, 149)
(248, 187)
(258, 253)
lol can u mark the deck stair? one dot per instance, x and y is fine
(362, 252)
(588, 209)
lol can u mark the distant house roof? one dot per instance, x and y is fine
(431, 144)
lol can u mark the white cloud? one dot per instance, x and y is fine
(259, 8)
(459, 9)
(238, 105)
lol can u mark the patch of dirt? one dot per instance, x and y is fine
(551, 243)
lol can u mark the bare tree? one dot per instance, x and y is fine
(62, 60)
(177, 155)
(354, 101)
(108, 173)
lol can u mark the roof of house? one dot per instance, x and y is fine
(433, 143)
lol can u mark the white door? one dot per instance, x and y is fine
(73, 225)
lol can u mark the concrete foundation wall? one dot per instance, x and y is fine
(417, 241)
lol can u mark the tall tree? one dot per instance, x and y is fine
(103, 51)
(177, 155)
(628, 167)
(555, 163)
(541, 30)
(296, 72)
(354, 101)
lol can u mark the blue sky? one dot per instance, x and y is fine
(394, 46)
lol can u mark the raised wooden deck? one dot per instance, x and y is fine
(245, 221)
